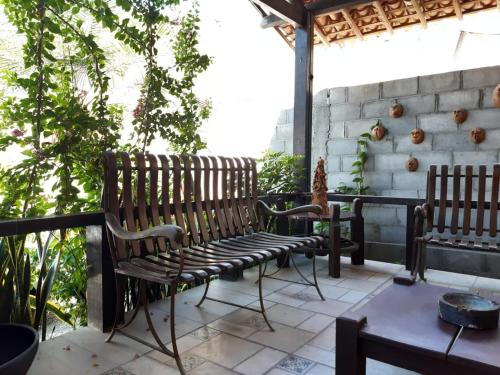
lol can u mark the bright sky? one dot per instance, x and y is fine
(251, 78)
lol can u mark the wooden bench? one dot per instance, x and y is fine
(183, 219)
(464, 220)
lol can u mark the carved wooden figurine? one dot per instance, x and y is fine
(319, 188)
(477, 135)
(459, 116)
(396, 110)
(495, 97)
(417, 136)
(412, 164)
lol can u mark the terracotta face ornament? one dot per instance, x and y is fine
(495, 97)
(477, 135)
(459, 116)
(417, 136)
(412, 164)
(396, 110)
(378, 132)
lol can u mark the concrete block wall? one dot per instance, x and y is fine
(341, 114)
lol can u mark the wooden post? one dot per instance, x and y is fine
(410, 222)
(349, 358)
(101, 280)
(303, 101)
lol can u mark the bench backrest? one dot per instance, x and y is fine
(474, 199)
(208, 197)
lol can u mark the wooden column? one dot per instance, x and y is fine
(101, 280)
(302, 115)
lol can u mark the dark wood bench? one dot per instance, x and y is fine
(184, 219)
(464, 220)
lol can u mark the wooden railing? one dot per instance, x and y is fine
(100, 285)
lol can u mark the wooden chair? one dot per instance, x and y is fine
(183, 219)
(466, 225)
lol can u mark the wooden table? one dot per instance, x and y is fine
(401, 326)
(337, 244)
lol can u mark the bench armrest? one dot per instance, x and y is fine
(313, 208)
(172, 232)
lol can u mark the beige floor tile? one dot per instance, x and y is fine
(325, 340)
(267, 304)
(232, 296)
(329, 307)
(232, 328)
(74, 358)
(315, 354)
(288, 315)
(161, 323)
(277, 371)
(121, 349)
(328, 291)
(260, 362)
(284, 338)
(247, 318)
(189, 361)
(292, 289)
(316, 323)
(353, 296)
(242, 286)
(450, 278)
(375, 266)
(357, 273)
(285, 299)
(147, 366)
(184, 344)
(209, 368)
(360, 285)
(380, 368)
(487, 284)
(380, 277)
(321, 370)
(226, 350)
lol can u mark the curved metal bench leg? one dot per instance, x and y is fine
(117, 327)
(175, 353)
(204, 294)
(314, 276)
(261, 299)
(287, 254)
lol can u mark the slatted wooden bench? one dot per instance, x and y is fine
(469, 220)
(183, 219)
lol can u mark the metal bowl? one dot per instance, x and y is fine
(469, 310)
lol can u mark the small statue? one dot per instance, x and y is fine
(319, 188)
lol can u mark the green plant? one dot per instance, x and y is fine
(56, 116)
(359, 164)
(279, 172)
(24, 294)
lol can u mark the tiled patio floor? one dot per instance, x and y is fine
(218, 339)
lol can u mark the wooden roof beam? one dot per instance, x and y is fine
(322, 7)
(383, 16)
(458, 9)
(421, 16)
(321, 35)
(271, 20)
(352, 24)
(293, 12)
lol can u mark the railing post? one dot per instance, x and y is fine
(101, 280)
(410, 221)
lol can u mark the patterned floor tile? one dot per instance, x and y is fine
(295, 365)
(189, 361)
(205, 333)
(117, 371)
